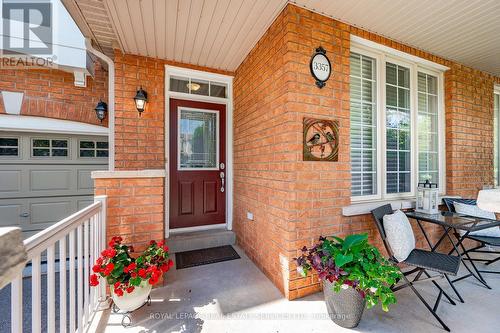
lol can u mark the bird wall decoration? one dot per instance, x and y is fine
(320, 140)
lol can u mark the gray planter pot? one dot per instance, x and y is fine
(345, 307)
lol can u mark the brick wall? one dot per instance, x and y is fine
(294, 201)
(140, 141)
(263, 174)
(51, 93)
(135, 209)
(469, 130)
(322, 188)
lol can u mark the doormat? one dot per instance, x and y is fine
(205, 256)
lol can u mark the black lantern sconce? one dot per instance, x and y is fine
(100, 110)
(140, 100)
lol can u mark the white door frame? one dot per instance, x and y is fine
(228, 102)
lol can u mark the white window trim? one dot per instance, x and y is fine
(228, 101)
(33, 124)
(383, 54)
(496, 91)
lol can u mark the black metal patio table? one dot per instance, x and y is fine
(453, 221)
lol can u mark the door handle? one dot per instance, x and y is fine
(221, 175)
(25, 215)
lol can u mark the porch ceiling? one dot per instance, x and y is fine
(212, 33)
(220, 33)
(466, 31)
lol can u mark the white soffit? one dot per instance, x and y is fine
(466, 31)
(48, 125)
(213, 33)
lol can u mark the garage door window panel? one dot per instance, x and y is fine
(50, 148)
(93, 148)
(9, 147)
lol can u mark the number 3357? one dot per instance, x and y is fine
(320, 66)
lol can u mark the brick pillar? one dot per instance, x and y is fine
(135, 208)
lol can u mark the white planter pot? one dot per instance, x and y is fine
(134, 300)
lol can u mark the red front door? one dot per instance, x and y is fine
(197, 163)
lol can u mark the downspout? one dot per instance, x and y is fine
(111, 100)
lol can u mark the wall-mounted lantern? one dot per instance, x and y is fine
(100, 110)
(140, 100)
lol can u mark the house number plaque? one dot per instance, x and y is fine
(321, 140)
(320, 67)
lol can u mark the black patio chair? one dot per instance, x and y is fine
(482, 240)
(422, 261)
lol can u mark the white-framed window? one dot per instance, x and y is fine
(496, 135)
(397, 115)
(194, 86)
(9, 147)
(93, 148)
(47, 147)
(363, 92)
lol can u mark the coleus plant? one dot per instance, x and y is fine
(352, 263)
(123, 272)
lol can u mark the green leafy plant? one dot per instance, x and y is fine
(352, 263)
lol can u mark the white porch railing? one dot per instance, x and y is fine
(80, 239)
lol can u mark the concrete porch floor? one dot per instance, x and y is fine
(235, 296)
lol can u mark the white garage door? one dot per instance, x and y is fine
(45, 178)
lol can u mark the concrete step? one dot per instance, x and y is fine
(187, 241)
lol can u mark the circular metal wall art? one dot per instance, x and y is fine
(321, 140)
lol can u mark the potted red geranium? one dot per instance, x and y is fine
(130, 279)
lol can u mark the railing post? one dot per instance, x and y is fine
(79, 278)
(16, 307)
(101, 245)
(51, 290)
(62, 285)
(36, 295)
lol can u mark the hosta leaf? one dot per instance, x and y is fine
(338, 239)
(354, 240)
(341, 259)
